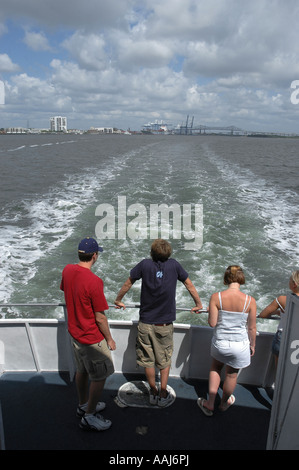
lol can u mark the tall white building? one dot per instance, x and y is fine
(58, 124)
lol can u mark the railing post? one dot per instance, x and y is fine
(69, 347)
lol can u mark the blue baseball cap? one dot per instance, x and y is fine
(89, 245)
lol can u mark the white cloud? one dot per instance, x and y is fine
(128, 61)
(143, 53)
(29, 93)
(87, 49)
(36, 41)
(6, 64)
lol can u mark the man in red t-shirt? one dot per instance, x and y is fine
(90, 333)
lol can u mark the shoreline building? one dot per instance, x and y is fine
(102, 130)
(58, 124)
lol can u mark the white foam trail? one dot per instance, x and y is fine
(17, 148)
(274, 206)
(37, 145)
(41, 225)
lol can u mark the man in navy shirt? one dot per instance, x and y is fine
(154, 346)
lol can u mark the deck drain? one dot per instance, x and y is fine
(142, 430)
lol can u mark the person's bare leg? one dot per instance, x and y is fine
(150, 373)
(164, 374)
(214, 382)
(82, 387)
(95, 391)
(229, 386)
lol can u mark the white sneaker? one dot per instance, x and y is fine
(165, 401)
(95, 422)
(81, 410)
(153, 399)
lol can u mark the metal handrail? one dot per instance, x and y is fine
(32, 305)
(61, 304)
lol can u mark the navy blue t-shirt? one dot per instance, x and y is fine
(158, 289)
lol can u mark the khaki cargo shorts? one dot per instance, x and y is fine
(93, 358)
(154, 345)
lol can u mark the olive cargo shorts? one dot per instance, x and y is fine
(93, 358)
(154, 345)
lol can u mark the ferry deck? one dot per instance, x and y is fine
(38, 398)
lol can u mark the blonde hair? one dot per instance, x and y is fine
(295, 278)
(234, 273)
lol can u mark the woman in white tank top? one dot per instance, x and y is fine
(232, 314)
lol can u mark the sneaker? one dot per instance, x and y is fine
(153, 399)
(81, 410)
(165, 401)
(94, 422)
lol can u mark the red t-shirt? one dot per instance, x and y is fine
(84, 295)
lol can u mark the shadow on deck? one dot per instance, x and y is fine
(39, 413)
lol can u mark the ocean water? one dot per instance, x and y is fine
(243, 196)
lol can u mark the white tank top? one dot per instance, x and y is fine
(231, 326)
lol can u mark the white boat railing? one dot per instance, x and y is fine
(43, 344)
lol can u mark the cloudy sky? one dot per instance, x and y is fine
(124, 63)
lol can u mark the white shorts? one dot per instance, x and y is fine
(232, 353)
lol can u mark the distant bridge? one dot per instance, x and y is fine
(201, 129)
(186, 129)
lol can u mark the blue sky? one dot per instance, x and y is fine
(34, 61)
(124, 63)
